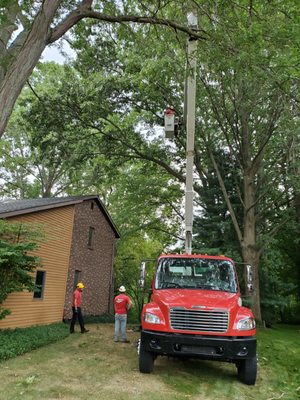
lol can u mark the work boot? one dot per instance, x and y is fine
(126, 341)
(85, 331)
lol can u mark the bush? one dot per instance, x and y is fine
(14, 342)
(17, 263)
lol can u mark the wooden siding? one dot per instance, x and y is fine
(54, 251)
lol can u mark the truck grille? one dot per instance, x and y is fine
(199, 320)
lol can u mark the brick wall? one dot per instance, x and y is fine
(94, 262)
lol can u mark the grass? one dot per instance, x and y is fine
(92, 366)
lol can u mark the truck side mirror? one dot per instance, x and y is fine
(249, 277)
(142, 274)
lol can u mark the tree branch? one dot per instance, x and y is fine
(271, 128)
(84, 11)
(228, 202)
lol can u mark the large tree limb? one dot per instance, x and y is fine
(275, 114)
(71, 20)
(227, 199)
(83, 12)
(27, 48)
(27, 58)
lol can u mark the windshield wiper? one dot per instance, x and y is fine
(208, 287)
(167, 285)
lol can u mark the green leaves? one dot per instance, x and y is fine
(96, 125)
(14, 342)
(16, 260)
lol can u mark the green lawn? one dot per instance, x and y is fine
(92, 366)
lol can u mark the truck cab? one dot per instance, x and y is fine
(195, 311)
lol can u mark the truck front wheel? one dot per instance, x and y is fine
(247, 370)
(146, 360)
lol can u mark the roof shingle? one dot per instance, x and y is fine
(10, 208)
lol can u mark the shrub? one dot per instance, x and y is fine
(17, 241)
(14, 342)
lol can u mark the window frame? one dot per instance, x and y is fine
(42, 285)
(77, 277)
(91, 235)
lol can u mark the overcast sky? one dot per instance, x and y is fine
(52, 53)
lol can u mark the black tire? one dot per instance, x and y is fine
(146, 360)
(247, 370)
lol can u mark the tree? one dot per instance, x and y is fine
(42, 23)
(54, 145)
(249, 114)
(17, 263)
(213, 229)
(245, 105)
(244, 108)
(131, 252)
(43, 152)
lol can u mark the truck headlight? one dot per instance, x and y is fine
(246, 324)
(151, 318)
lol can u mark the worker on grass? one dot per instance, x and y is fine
(76, 309)
(122, 304)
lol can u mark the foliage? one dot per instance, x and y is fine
(213, 229)
(101, 123)
(245, 118)
(17, 241)
(44, 152)
(279, 279)
(14, 342)
(143, 203)
(27, 27)
(131, 253)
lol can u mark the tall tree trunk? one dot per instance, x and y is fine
(250, 249)
(26, 59)
(247, 238)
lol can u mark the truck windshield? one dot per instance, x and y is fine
(196, 273)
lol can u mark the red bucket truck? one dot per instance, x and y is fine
(195, 311)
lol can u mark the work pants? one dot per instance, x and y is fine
(76, 315)
(120, 327)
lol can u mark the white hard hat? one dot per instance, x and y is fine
(122, 289)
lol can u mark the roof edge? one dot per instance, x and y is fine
(63, 203)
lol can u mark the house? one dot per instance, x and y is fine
(79, 245)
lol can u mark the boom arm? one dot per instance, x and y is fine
(190, 140)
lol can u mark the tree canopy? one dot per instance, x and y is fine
(26, 28)
(95, 124)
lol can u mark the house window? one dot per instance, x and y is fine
(39, 285)
(77, 277)
(91, 236)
